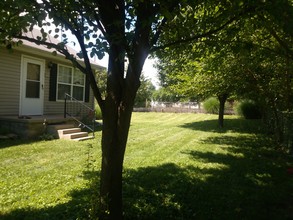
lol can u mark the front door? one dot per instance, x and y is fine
(32, 86)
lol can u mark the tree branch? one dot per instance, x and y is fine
(79, 36)
(274, 34)
(155, 38)
(198, 36)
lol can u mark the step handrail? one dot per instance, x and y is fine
(81, 124)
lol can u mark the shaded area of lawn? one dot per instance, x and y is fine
(230, 173)
(15, 143)
(193, 193)
(172, 192)
(234, 125)
(79, 207)
(74, 209)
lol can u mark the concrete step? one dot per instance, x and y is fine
(74, 135)
(62, 132)
(53, 129)
(83, 138)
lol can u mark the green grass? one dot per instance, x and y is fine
(177, 166)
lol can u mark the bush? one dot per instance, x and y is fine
(98, 112)
(211, 105)
(248, 109)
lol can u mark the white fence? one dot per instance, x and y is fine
(171, 107)
(189, 105)
(177, 107)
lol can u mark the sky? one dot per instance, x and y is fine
(149, 70)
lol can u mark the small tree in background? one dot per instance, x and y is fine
(211, 105)
(145, 92)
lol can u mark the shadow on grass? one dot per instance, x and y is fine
(16, 142)
(171, 192)
(5, 143)
(235, 125)
(249, 181)
(71, 210)
(77, 208)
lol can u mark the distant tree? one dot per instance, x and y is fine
(145, 92)
(202, 77)
(252, 59)
(101, 79)
(165, 95)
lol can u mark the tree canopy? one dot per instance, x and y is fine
(250, 59)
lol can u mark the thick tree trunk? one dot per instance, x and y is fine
(121, 92)
(117, 111)
(116, 124)
(222, 99)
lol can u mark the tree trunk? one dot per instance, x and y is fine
(116, 122)
(222, 99)
(117, 112)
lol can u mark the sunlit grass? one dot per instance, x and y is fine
(177, 166)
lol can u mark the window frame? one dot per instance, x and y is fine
(71, 84)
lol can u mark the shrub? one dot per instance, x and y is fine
(211, 105)
(98, 112)
(248, 109)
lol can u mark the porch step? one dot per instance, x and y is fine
(83, 138)
(73, 134)
(54, 128)
(62, 132)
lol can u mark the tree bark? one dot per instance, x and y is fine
(222, 99)
(121, 92)
(116, 124)
(117, 112)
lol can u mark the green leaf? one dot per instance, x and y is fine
(80, 55)
(100, 55)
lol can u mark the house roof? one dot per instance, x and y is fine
(46, 52)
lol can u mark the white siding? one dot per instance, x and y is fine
(10, 67)
(9, 81)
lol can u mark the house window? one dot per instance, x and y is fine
(70, 81)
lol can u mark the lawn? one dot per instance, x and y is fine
(177, 166)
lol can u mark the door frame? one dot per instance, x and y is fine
(26, 58)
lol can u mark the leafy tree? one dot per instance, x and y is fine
(145, 92)
(101, 79)
(120, 28)
(249, 59)
(165, 95)
(212, 75)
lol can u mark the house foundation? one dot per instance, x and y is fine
(30, 127)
